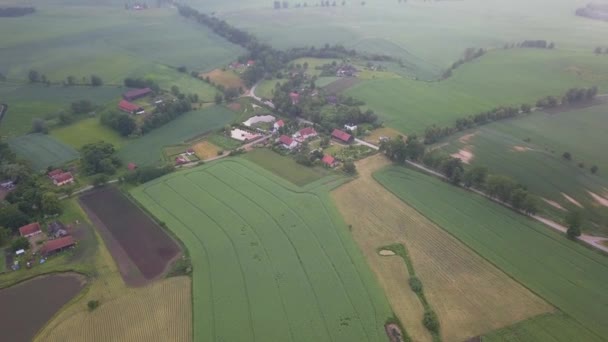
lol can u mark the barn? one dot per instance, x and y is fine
(342, 136)
(135, 94)
(129, 107)
(57, 245)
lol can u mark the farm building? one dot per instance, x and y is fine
(132, 166)
(55, 173)
(57, 245)
(30, 230)
(295, 98)
(342, 136)
(250, 63)
(63, 179)
(129, 107)
(288, 142)
(305, 133)
(277, 125)
(350, 127)
(329, 160)
(136, 94)
(56, 229)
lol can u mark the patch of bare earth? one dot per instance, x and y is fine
(386, 252)
(599, 199)
(521, 149)
(465, 139)
(572, 200)
(471, 296)
(464, 154)
(553, 204)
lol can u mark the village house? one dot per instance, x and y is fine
(342, 136)
(30, 230)
(305, 133)
(130, 108)
(57, 245)
(135, 94)
(288, 142)
(277, 125)
(63, 179)
(346, 70)
(295, 98)
(329, 160)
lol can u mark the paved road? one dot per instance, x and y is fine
(84, 189)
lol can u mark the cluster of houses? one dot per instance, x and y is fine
(60, 177)
(184, 158)
(126, 105)
(346, 70)
(238, 66)
(292, 142)
(58, 235)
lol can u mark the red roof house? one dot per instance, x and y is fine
(250, 63)
(57, 245)
(129, 107)
(329, 160)
(288, 142)
(306, 133)
(136, 93)
(30, 230)
(342, 136)
(132, 166)
(63, 178)
(54, 173)
(279, 124)
(295, 98)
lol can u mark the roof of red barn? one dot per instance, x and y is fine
(307, 131)
(338, 134)
(126, 105)
(294, 95)
(55, 173)
(53, 245)
(328, 160)
(137, 92)
(29, 229)
(132, 166)
(63, 177)
(250, 62)
(285, 140)
(280, 123)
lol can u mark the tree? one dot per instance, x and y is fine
(71, 80)
(593, 169)
(96, 81)
(452, 168)
(124, 124)
(567, 156)
(231, 93)
(175, 90)
(218, 98)
(349, 167)
(82, 107)
(324, 142)
(598, 50)
(430, 321)
(500, 187)
(551, 45)
(99, 158)
(518, 198)
(50, 204)
(20, 243)
(11, 217)
(39, 126)
(574, 219)
(182, 69)
(5, 235)
(33, 76)
(530, 205)
(475, 177)
(414, 148)
(100, 180)
(526, 108)
(92, 304)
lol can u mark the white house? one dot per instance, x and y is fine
(350, 127)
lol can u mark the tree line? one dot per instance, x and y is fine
(435, 133)
(35, 76)
(598, 50)
(469, 55)
(16, 11)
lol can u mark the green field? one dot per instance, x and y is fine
(286, 167)
(223, 141)
(563, 272)
(504, 148)
(390, 27)
(27, 102)
(502, 77)
(87, 131)
(272, 259)
(543, 328)
(147, 149)
(42, 150)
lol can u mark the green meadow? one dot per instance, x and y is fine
(42, 151)
(147, 150)
(568, 275)
(87, 131)
(499, 78)
(272, 259)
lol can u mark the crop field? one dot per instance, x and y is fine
(563, 272)
(272, 259)
(530, 150)
(87, 131)
(42, 150)
(147, 149)
(131, 235)
(502, 77)
(544, 328)
(205, 150)
(228, 78)
(286, 167)
(35, 302)
(28, 102)
(389, 27)
(470, 295)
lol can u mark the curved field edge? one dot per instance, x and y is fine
(564, 273)
(281, 254)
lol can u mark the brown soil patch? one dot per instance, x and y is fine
(470, 296)
(141, 249)
(599, 199)
(205, 150)
(553, 204)
(235, 106)
(464, 154)
(386, 252)
(27, 307)
(465, 139)
(521, 149)
(572, 200)
(226, 78)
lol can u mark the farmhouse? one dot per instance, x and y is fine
(136, 94)
(342, 136)
(305, 133)
(129, 107)
(295, 98)
(55, 173)
(57, 245)
(346, 71)
(329, 160)
(288, 142)
(277, 125)
(30, 230)
(63, 179)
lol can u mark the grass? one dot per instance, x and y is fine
(563, 272)
(470, 296)
(223, 141)
(544, 328)
(87, 131)
(286, 167)
(538, 164)
(228, 78)
(147, 149)
(503, 77)
(42, 151)
(273, 259)
(266, 88)
(351, 152)
(374, 136)
(205, 150)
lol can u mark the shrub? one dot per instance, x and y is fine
(430, 321)
(92, 304)
(415, 285)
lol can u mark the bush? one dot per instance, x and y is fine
(430, 321)
(93, 304)
(20, 243)
(415, 285)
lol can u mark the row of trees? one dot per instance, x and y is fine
(36, 77)
(324, 3)
(122, 123)
(99, 158)
(16, 11)
(539, 44)
(164, 113)
(141, 83)
(598, 50)
(469, 55)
